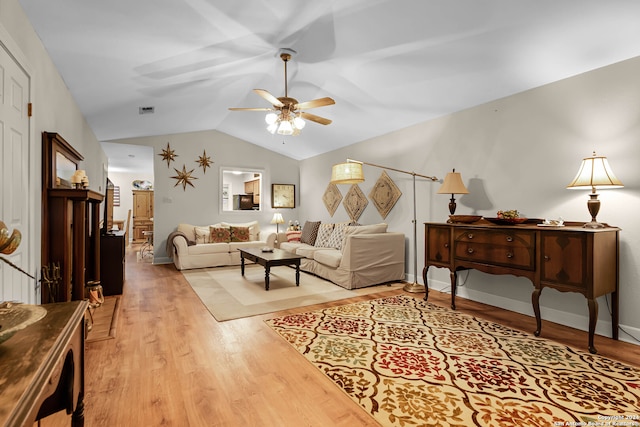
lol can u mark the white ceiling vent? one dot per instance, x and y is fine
(146, 110)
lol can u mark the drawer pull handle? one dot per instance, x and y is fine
(509, 255)
(509, 239)
(470, 236)
(446, 245)
(547, 258)
(470, 250)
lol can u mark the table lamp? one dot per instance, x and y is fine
(277, 220)
(453, 184)
(594, 173)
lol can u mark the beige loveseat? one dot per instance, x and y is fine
(200, 246)
(351, 256)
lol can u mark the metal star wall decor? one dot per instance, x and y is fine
(183, 177)
(204, 161)
(168, 155)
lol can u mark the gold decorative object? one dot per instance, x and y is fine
(355, 202)
(384, 194)
(168, 155)
(204, 161)
(9, 242)
(183, 177)
(332, 198)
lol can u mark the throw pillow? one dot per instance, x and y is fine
(220, 235)
(335, 240)
(293, 236)
(310, 232)
(324, 232)
(203, 235)
(239, 234)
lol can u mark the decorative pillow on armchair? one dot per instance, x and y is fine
(293, 236)
(239, 234)
(220, 235)
(310, 232)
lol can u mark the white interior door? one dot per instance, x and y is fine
(14, 176)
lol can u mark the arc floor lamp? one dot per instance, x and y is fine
(351, 173)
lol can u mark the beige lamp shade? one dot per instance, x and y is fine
(277, 218)
(347, 173)
(453, 184)
(595, 172)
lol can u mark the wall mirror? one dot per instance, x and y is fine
(60, 161)
(241, 189)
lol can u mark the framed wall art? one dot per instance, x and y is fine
(283, 196)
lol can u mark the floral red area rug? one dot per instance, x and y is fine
(411, 363)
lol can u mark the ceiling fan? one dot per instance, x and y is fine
(286, 115)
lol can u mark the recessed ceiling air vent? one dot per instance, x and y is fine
(146, 110)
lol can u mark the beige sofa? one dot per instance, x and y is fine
(366, 255)
(191, 246)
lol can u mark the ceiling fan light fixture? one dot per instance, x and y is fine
(271, 118)
(285, 128)
(299, 123)
(272, 128)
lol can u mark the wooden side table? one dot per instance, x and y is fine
(43, 367)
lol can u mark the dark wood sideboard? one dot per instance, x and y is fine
(43, 367)
(569, 258)
(112, 262)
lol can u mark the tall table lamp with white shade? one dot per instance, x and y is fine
(594, 173)
(351, 173)
(277, 220)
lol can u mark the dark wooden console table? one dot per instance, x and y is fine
(569, 258)
(43, 367)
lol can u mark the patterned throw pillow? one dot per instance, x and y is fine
(337, 236)
(324, 232)
(220, 235)
(293, 236)
(239, 234)
(310, 232)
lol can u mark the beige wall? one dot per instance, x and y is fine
(519, 153)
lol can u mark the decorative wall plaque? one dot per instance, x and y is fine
(332, 198)
(384, 194)
(168, 155)
(183, 177)
(204, 161)
(355, 202)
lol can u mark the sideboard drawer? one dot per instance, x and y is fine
(510, 248)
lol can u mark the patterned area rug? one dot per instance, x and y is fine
(411, 363)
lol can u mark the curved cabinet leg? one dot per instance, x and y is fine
(454, 281)
(593, 318)
(535, 299)
(424, 280)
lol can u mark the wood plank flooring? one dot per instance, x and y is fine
(173, 364)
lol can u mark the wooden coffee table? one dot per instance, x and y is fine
(270, 259)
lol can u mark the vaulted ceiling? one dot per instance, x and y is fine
(388, 64)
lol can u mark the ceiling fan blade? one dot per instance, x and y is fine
(320, 102)
(270, 98)
(315, 118)
(250, 109)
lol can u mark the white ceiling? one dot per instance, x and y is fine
(388, 64)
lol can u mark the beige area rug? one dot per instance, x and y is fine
(105, 319)
(408, 362)
(228, 295)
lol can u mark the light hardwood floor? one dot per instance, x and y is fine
(173, 364)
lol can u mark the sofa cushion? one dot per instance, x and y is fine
(337, 235)
(310, 232)
(254, 228)
(209, 248)
(324, 233)
(203, 234)
(308, 251)
(187, 230)
(292, 246)
(220, 234)
(328, 257)
(239, 234)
